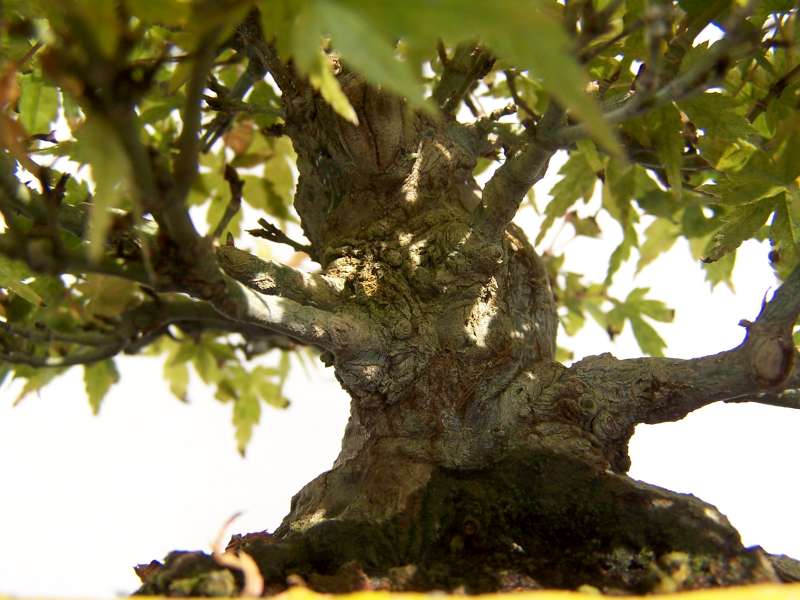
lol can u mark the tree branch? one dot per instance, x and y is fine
(264, 56)
(469, 63)
(73, 261)
(254, 72)
(765, 368)
(271, 278)
(511, 81)
(337, 332)
(189, 143)
(504, 192)
(135, 329)
(48, 335)
(79, 358)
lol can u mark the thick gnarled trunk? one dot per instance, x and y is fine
(472, 459)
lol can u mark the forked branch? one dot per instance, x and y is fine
(504, 192)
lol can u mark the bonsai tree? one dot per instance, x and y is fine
(140, 138)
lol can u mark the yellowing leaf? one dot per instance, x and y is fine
(98, 378)
(322, 78)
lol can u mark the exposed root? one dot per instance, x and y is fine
(535, 521)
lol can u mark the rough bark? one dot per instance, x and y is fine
(471, 457)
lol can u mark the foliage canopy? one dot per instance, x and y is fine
(117, 116)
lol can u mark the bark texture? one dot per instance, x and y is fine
(472, 460)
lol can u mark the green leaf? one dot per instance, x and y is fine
(530, 35)
(648, 339)
(785, 253)
(589, 150)
(573, 322)
(216, 210)
(739, 226)
(361, 45)
(98, 378)
(623, 251)
(718, 115)
(105, 296)
(700, 12)
(668, 138)
(637, 303)
(270, 392)
(756, 180)
(36, 379)
(279, 21)
(787, 157)
(586, 226)
(622, 184)
(38, 104)
(577, 181)
(246, 414)
(12, 273)
(206, 365)
(721, 271)
(792, 200)
(177, 375)
(321, 76)
(658, 238)
(111, 172)
(695, 224)
(174, 13)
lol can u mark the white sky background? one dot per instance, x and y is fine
(83, 498)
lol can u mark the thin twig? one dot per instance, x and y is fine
(511, 80)
(775, 90)
(441, 52)
(255, 72)
(270, 232)
(235, 184)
